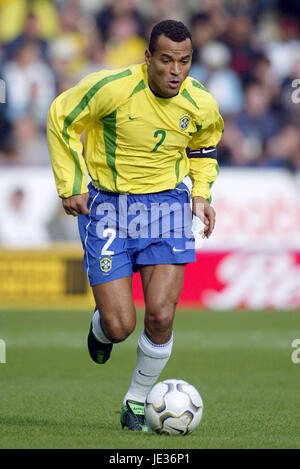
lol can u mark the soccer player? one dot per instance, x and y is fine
(133, 215)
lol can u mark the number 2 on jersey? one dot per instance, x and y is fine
(162, 133)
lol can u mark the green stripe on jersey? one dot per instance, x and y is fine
(177, 165)
(211, 183)
(75, 113)
(187, 95)
(198, 85)
(110, 138)
(139, 87)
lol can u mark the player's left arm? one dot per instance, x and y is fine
(204, 167)
(204, 173)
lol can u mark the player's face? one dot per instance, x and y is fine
(169, 65)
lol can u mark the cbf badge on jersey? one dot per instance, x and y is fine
(184, 122)
(105, 264)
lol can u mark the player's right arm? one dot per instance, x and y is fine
(67, 117)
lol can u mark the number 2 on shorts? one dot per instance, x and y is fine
(112, 234)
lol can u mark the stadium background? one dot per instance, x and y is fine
(247, 53)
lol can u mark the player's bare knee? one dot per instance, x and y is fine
(159, 320)
(161, 313)
(118, 330)
(119, 335)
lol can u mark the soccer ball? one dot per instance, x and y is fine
(173, 407)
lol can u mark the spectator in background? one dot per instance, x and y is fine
(283, 149)
(89, 7)
(29, 142)
(95, 53)
(217, 11)
(239, 39)
(203, 33)
(31, 33)
(284, 51)
(13, 16)
(124, 46)
(257, 122)
(219, 78)
(158, 10)
(67, 49)
(231, 149)
(263, 73)
(119, 9)
(18, 229)
(30, 84)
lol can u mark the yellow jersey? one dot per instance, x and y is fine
(134, 141)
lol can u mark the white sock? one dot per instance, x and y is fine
(97, 329)
(151, 359)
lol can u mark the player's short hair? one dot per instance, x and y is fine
(172, 29)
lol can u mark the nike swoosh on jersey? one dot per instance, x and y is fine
(132, 118)
(178, 250)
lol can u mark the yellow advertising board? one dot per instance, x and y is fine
(51, 275)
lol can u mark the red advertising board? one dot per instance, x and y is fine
(227, 280)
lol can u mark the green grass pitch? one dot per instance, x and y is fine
(53, 396)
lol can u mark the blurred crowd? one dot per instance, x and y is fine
(246, 52)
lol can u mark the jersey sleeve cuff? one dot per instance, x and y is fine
(201, 190)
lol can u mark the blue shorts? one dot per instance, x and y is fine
(125, 231)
